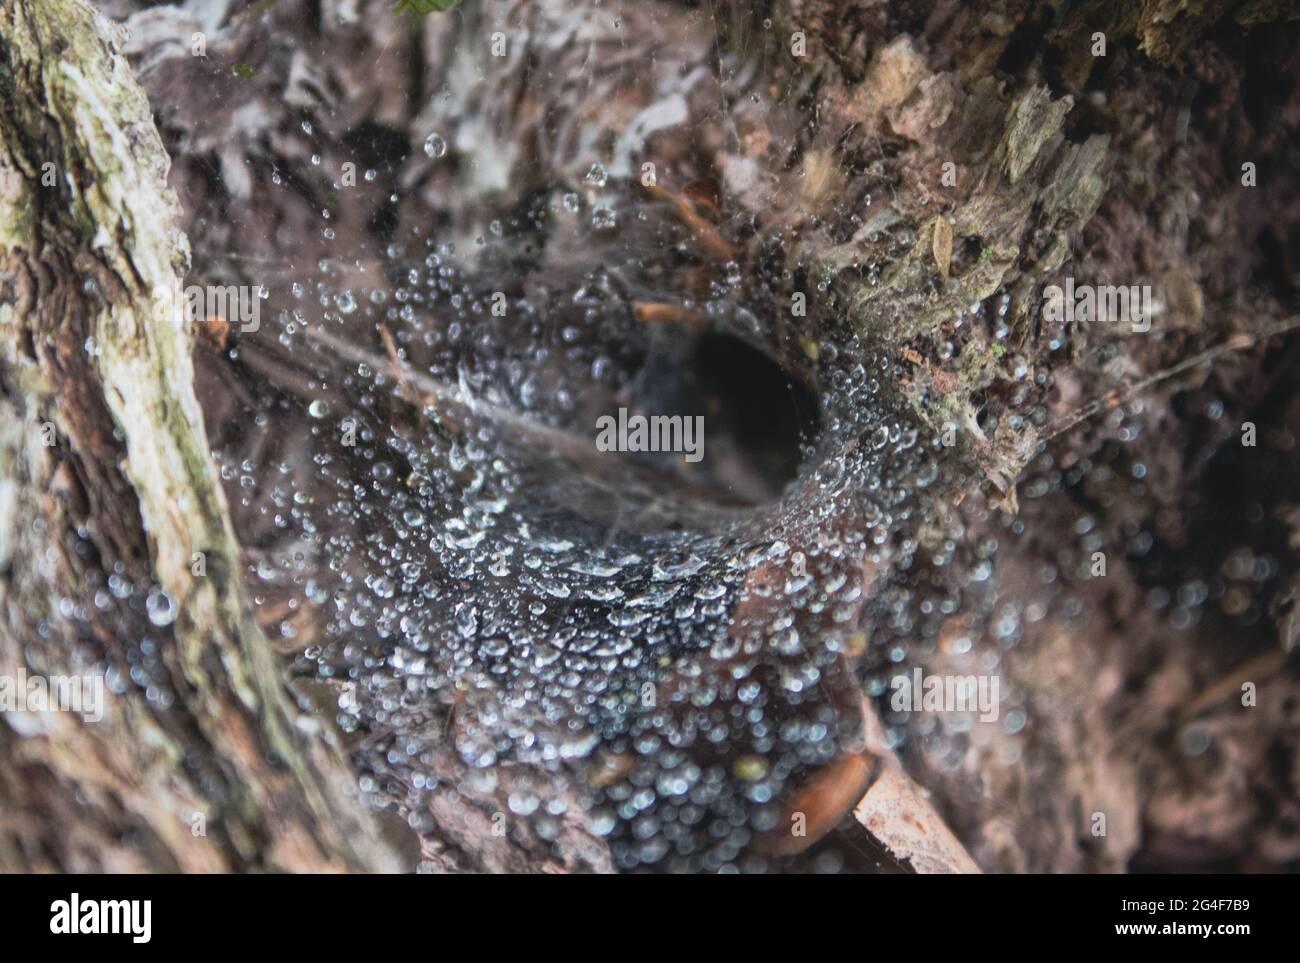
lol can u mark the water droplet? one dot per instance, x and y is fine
(160, 607)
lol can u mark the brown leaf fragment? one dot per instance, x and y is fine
(822, 802)
(214, 331)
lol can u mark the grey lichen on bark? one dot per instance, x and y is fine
(217, 769)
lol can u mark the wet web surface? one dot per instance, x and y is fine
(499, 582)
(677, 645)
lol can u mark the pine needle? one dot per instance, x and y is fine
(1118, 396)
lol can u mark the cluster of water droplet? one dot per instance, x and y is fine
(494, 583)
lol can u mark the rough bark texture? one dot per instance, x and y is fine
(198, 722)
(1065, 163)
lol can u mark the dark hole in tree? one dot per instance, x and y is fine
(758, 418)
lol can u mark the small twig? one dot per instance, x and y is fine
(398, 368)
(456, 399)
(1238, 342)
(659, 313)
(705, 234)
(456, 405)
(277, 370)
(1259, 667)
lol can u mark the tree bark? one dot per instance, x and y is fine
(202, 761)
